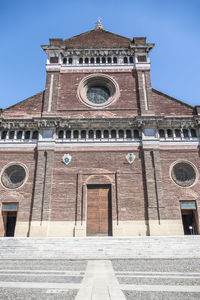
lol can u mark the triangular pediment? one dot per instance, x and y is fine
(97, 38)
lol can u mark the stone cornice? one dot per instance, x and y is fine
(138, 122)
(88, 52)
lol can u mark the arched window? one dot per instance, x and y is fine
(121, 134)
(75, 134)
(4, 134)
(125, 60)
(92, 60)
(64, 61)
(103, 60)
(60, 134)
(11, 135)
(161, 133)
(70, 60)
(53, 60)
(169, 133)
(27, 135)
(128, 134)
(193, 133)
(98, 134)
(113, 134)
(35, 135)
(109, 60)
(136, 134)
(80, 60)
(115, 60)
(83, 134)
(91, 134)
(98, 60)
(177, 133)
(185, 133)
(68, 134)
(86, 60)
(131, 59)
(19, 135)
(106, 134)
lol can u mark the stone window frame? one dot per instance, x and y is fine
(190, 163)
(98, 78)
(10, 164)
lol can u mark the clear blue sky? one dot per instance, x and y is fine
(173, 25)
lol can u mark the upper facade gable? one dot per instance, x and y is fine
(165, 105)
(99, 74)
(28, 108)
(97, 38)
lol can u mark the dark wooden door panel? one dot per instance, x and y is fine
(99, 216)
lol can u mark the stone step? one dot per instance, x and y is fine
(100, 247)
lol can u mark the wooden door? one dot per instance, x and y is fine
(99, 212)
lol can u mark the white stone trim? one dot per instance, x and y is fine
(50, 92)
(18, 145)
(144, 91)
(65, 69)
(143, 66)
(95, 144)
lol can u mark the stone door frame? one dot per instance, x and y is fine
(96, 178)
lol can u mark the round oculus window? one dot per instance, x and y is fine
(13, 176)
(183, 174)
(98, 94)
(98, 90)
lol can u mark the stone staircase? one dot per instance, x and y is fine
(100, 247)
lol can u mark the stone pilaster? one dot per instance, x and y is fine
(51, 93)
(145, 92)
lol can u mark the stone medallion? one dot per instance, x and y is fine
(130, 157)
(66, 158)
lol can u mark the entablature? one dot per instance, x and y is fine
(140, 122)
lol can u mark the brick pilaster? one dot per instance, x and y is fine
(42, 193)
(153, 178)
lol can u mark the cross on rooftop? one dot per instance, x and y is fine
(99, 24)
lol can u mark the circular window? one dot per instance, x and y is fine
(183, 174)
(13, 176)
(98, 94)
(98, 90)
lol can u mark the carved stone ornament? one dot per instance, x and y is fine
(130, 157)
(66, 158)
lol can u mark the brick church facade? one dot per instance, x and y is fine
(99, 151)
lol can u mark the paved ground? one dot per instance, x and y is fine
(145, 279)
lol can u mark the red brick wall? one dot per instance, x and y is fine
(95, 38)
(69, 105)
(129, 180)
(172, 193)
(26, 109)
(167, 106)
(23, 195)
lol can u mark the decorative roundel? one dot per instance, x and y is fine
(98, 94)
(13, 176)
(183, 173)
(98, 90)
